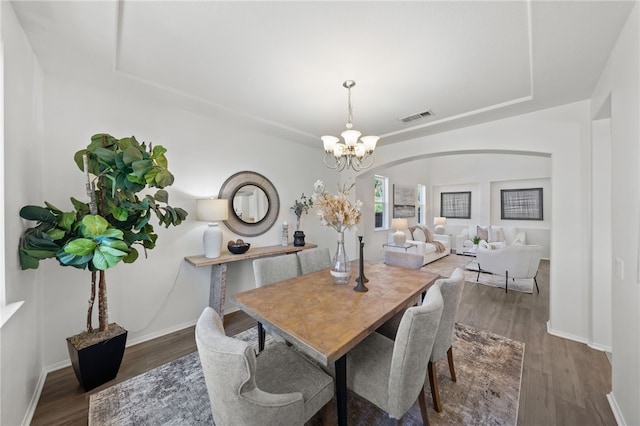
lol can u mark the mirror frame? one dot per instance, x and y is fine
(228, 191)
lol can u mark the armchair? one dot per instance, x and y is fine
(511, 261)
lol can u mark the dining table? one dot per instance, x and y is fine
(325, 321)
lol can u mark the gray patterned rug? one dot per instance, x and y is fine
(447, 264)
(488, 367)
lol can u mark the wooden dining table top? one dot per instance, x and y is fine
(325, 320)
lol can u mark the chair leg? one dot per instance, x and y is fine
(478, 276)
(433, 382)
(452, 369)
(423, 407)
(327, 414)
(536, 281)
(506, 280)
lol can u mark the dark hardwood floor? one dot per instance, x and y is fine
(563, 382)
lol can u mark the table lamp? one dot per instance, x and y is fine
(212, 210)
(399, 237)
(439, 222)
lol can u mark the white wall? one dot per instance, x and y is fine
(620, 81)
(21, 337)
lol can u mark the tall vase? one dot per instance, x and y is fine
(340, 266)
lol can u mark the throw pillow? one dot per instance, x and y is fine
(483, 233)
(496, 234)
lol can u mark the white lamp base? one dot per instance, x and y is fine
(399, 238)
(212, 240)
(439, 230)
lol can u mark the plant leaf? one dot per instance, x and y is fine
(93, 225)
(131, 155)
(40, 214)
(80, 246)
(162, 196)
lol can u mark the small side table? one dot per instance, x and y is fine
(405, 246)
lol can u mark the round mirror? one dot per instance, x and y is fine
(250, 204)
(253, 203)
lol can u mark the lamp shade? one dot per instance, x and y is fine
(399, 224)
(212, 209)
(439, 222)
(399, 237)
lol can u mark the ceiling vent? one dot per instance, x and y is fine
(416, 116)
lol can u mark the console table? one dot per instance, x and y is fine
(218, 284)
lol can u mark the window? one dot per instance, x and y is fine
(421, 196)
(380, 201)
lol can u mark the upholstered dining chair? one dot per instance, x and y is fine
(279, 386)
(451, 289)
(391, 374)
(404, 259)
(270, 270)
(314, 259)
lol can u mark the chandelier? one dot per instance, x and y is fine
(353, 153)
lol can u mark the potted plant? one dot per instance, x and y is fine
(300, 206)
(99, 234)
(476, 241)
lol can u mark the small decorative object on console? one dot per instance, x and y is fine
(238, 247)
(300, 206)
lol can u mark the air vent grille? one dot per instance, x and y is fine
(416, 116)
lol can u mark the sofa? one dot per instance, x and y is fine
(431, 246)
(495, 235)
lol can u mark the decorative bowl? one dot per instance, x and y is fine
(238, 246)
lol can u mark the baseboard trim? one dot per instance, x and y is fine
(599, 347)
(33, 404)
(616, 409)
(565, 335)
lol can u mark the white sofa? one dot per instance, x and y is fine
(417, 235)
(508, 235)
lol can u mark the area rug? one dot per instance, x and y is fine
(447, 264)
(488, 367)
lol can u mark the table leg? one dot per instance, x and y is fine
(261, 337)
(341, 389)
(217, 288)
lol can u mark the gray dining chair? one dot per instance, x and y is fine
(391, 374)
(271, 270)
(451, 289)
(279, 386)
(314, 259)
(403, 259)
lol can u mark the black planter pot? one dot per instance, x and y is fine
(99, 362)
(298, 238)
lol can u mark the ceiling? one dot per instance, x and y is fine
(279, 66)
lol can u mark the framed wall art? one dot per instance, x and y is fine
(521, 204)
(404, 201)
(455, 205)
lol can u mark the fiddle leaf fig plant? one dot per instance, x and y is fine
(99, 234)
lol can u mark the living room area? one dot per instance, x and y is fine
(582, 153)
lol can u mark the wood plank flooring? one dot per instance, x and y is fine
(563, 382)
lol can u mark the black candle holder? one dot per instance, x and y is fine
(361, 278)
